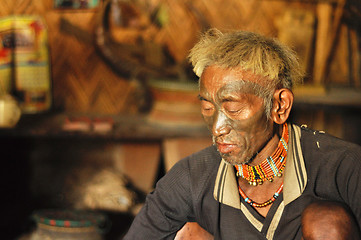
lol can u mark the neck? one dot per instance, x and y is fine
(269, 163)
(268, 148)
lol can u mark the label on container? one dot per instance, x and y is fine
(30, 69)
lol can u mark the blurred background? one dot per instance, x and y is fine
(98, 101)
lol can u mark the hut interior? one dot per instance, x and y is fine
(120, 105)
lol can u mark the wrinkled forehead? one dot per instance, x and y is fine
(240, 87)
(228, 80)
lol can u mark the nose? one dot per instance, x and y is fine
(220, 124)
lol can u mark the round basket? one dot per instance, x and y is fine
(55, 224)
(175, 103)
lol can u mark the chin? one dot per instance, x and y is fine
(237, 157)
(234, 160)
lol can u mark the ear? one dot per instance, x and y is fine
(282, 105)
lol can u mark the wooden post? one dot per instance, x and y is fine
(324, 17)
(328, 29)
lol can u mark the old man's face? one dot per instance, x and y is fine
(234, 113)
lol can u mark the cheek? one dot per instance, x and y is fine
(251, 128)
(209, 121)
(243, 127)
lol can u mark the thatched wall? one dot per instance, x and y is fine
(83, 82)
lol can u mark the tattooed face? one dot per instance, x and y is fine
(234, 113)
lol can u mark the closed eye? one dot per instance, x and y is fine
(233, 108)
(207, 107)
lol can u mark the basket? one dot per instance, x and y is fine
(56, 224)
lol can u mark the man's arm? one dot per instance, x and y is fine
(167, 208)
(348, 179)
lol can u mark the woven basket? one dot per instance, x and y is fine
(175, 103)
(68, 225)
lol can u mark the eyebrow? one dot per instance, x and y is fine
(202, 98)
(226, 99)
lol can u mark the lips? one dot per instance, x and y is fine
(225, 147)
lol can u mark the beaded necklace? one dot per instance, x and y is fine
(270, 167)
(260, 205)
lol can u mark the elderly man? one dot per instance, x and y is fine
(264, 178)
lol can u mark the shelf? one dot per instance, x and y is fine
(124, 128)
(310, 96)
(139, 128)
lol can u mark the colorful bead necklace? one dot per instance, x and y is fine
(264, 204)
(270, 167)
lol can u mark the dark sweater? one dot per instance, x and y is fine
(186, 194)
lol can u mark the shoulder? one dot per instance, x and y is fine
(202, 161)
(326, 143)
(320, 146)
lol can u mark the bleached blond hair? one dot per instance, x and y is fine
(250, 51)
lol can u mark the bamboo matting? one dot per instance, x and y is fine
(82, 81)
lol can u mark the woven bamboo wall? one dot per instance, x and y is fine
(82, 81)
